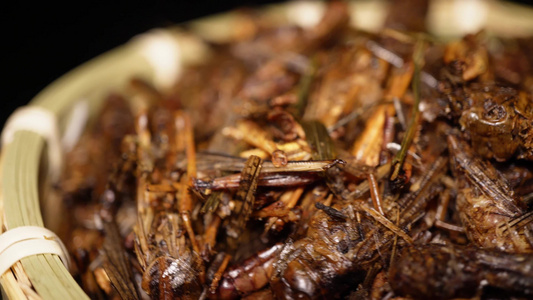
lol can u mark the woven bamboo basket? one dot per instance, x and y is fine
(31, 153)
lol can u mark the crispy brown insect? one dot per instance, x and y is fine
(319, 154)
(486, 203)
(252, 275)
(450, 271)
(172, 278)
(245, 195)
(497, 119)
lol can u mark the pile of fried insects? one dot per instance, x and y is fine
(311, 163)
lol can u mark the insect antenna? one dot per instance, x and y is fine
(517, 222)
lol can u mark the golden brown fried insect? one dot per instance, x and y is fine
(494, 115)
(264, 180)
(92, 160)
(246, 278)
(250, 276)
(91, 177)
(310, 266)
(343, 241)
(166, 245)
(467, 58)
(245, 196)
(367, 148)
(281, 107)
(496, 119)
(351, 80)
(173, 276)
(251, 133)
(486, 204)
(172, 268)
(451, 271)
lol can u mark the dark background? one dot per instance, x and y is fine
(42, 41)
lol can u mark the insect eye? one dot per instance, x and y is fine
(495, 113)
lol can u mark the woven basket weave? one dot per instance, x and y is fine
(24, 188)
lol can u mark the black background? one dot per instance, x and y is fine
(41, 41)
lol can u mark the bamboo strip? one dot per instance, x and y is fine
(11, 287)
(21, 161)
(20, 169)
